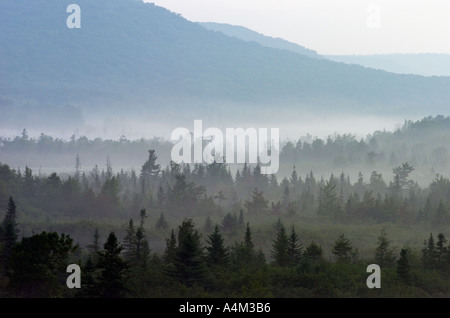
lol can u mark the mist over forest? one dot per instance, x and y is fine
(87, 174)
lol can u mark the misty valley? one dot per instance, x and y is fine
(228, 230)
(118, 160)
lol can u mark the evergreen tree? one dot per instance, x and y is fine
(280, 248)
(229, 222)
(38, 265)
(208, 226)
(404, 267)
(217, 253)
(241, 218)
(342, 249)
(142, 247)
(313, 252)
(328, 201)
(258, 205)
(161, 224)
(129, 242)
(429, 253)
(161, 197)
(89, 281)
(384, 256)
(9, 233)
(248, 242)
(294, 248)
(189, 259)
(113, 269)
(94, 247)
(441, 251)
(171, 247)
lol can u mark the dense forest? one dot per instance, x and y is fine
(205, 230)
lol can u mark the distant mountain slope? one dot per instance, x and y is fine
(420, 64)
(131, 57)
(248, 35)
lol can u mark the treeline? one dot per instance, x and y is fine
(422, 143)
(203, 190)
(197, 266)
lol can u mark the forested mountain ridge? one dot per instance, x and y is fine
(252, 36)
(132, 58)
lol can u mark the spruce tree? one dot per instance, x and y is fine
(9, 231)
(313, 252)
(217, 254)
(280, 248)
(404, 267)
(94, 247)
(429, 253)
(142, 247)
(129, 242)
(441, 251)
(171, 247)
(248, 242)
(113, 269)
(189, 260)
(342, 249)
(294, 248)
(384, 256)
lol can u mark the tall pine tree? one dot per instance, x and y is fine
(9, 233)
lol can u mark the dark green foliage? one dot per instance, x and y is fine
(280, 248)
(441, 252)
(313, 252)
(294, 248)
(38, 265)
(217, 254)
(384, 256)
(258, 204)
(188, 260)
(113, 269)
(9, 233)
(328, 201)
(171, 247)
(129, 242)
(248, 241)
(229, 223)
(429, 253)
(94, 246)
(404, 267)
(343, 249)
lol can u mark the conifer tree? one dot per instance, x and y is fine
(441, 251)
(129, 242)
(342, 249)
(189, 259)
(429, 253)
(248, 242)
(404, 267)
(171, 247)
(113, 269)
(294, 248)
(9, 233)
(94, 247)
(280, 248)
(217, 253)
(384, 256)
(161, 224)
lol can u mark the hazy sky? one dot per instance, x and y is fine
(334, 26)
